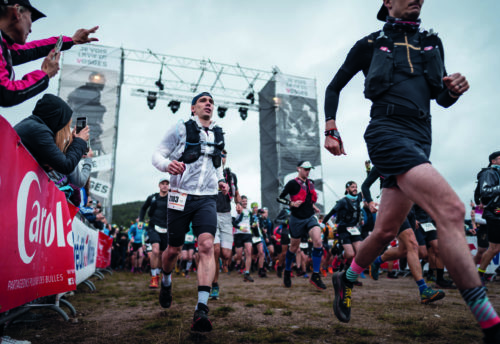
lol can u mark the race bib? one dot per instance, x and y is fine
(244, 228)
(189, 238)
(330, 242)
(427, 227)
(160, 229)
(176, 200)
(304, 245)
(353, 230)
(256, 240)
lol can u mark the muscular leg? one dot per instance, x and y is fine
(348, 253)
(155, 256)
(260, 255)
(491, 252)
(216, 260)
(248, 256)
(169, 258)
(425, 186)
(206, 264)
(479, 255)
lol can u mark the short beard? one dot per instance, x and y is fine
(205, 117)
(413, 16)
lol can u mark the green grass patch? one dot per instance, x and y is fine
(249, 305)
(222, 311)
(268, 312)
(287, 313)
(310, 332)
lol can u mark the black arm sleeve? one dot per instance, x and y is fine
(144, 208)
(359, 58)
(444, 98)
(291, 188)
(365, 187)
(332, 212)
(489, 184)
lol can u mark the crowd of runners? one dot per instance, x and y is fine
(199, 221)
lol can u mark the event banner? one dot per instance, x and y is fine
(36, 253)
(90, 83)
(85, 241)
(104, 251)
(289, 133)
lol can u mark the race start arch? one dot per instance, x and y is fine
(92, 81)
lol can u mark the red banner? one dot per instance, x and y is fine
(36, 252)
(104, 251)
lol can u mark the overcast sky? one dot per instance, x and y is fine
(305, 38)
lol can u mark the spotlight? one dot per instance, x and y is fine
(221, 111)
(151, 98)
(174, 105)
(160, 85)
(251, 97)
(243, 112)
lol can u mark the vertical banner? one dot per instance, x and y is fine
(36, 253)
(90, 83)
(85, 247)
(289, 131)
(104, 251)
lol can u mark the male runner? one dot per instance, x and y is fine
(282, 235)
(257, 244)
(408, 247)
(191, 153)
(136, 234)
(223, 243)
(348, 211)
(157, 228)
(243, 237)
(404, 70)
(489, 189)
(303, 222)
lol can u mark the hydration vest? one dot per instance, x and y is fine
(304, 193)
(380, 75)
(192, 151)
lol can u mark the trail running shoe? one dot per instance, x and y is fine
(214, 295)
(153, 284)
(374, 271)
(491, 335)
(165, 296)
(342, 302)
(317, 282)
(430, 295)
(287, 280)
(392, 274)
(279, 271)
(445, 284)
(247, 278)
(201, 323)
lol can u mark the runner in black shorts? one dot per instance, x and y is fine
(479, 229)
(303, 222)
(404, 70)
(157, 228)
(347, 211)
(282, 234)
(243, 237)
(196, 176)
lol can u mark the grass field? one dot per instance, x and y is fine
(124, 310)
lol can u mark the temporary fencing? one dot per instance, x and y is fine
(45, 250)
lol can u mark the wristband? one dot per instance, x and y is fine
(334, 134)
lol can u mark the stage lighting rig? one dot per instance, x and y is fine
(243, 112)
(174, 105)
(151, 98)
(251, 97)
(221, 111)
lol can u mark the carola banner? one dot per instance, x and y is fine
(104, 251)
(85, 239)
(36, 253)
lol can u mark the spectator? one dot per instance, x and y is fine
(16, 17)
(48, 136)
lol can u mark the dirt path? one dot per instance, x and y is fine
(124, 310)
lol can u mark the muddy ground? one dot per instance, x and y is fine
(124, 310)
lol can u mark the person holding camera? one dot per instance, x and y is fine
(16, 17)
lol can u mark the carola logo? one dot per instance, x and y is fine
(43, 227)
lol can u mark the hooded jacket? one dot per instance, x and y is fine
(489, 189)
(38, 132)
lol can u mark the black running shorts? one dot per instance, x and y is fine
(201, 211)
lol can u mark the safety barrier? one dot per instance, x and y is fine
(45, 250)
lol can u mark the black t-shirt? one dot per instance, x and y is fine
(305, 210)
(224, 201)
(157, 210)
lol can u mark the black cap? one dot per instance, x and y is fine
(382, 13)
(349, 183)
(35, 14)
(195, 99)
(492, 156)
